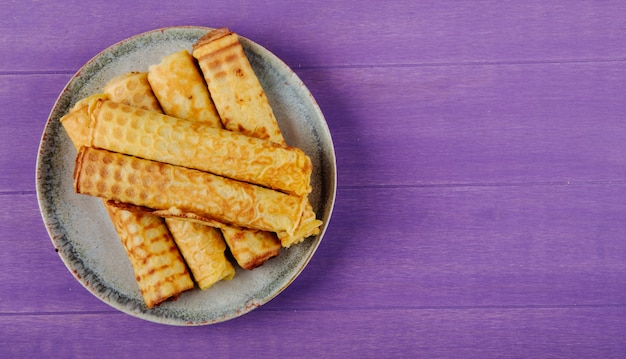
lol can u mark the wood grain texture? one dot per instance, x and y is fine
(26, 104)
(475, 123)
(345, 33)
(489, 332)
(481, 170)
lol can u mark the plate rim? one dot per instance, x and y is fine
(149, 315)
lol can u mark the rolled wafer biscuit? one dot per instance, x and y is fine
(234, 87)
(242, 103)
(132, 89)
(76, 124)
(251, 248)
(202, 247)
(150, 135)
(309, 226)
(177, 82)
(180, 89)
(159, 269)
(174, 191)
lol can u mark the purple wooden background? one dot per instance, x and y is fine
(481, 199)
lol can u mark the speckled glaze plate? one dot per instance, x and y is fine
(83, 234)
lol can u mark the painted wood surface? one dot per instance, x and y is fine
(480, 205)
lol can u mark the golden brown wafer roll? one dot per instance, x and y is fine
(244, 108)
(77, 121)
(234, 87)
(76, 124)
(308, 226)
(150, 135)
(251, 248)
(132, 89)
(203, 249)
(177, 82)
(178, 191)
(160, 271)
(178, 85)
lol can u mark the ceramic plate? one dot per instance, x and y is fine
(85, 238)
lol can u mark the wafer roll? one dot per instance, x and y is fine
(243, 106)
(150, 135)
(202, 247)
(308, 226)
(234, 87)
(76, 123)
(177, 82)
(174, 191)
(181, 91)
(251, 248)
(132, 89)
(159, 269)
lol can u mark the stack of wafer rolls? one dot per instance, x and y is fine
(194, 143)
(202, 247)
(180, 89)
(242, 104)
(159, 269)
(154, 136)
(179, 192)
